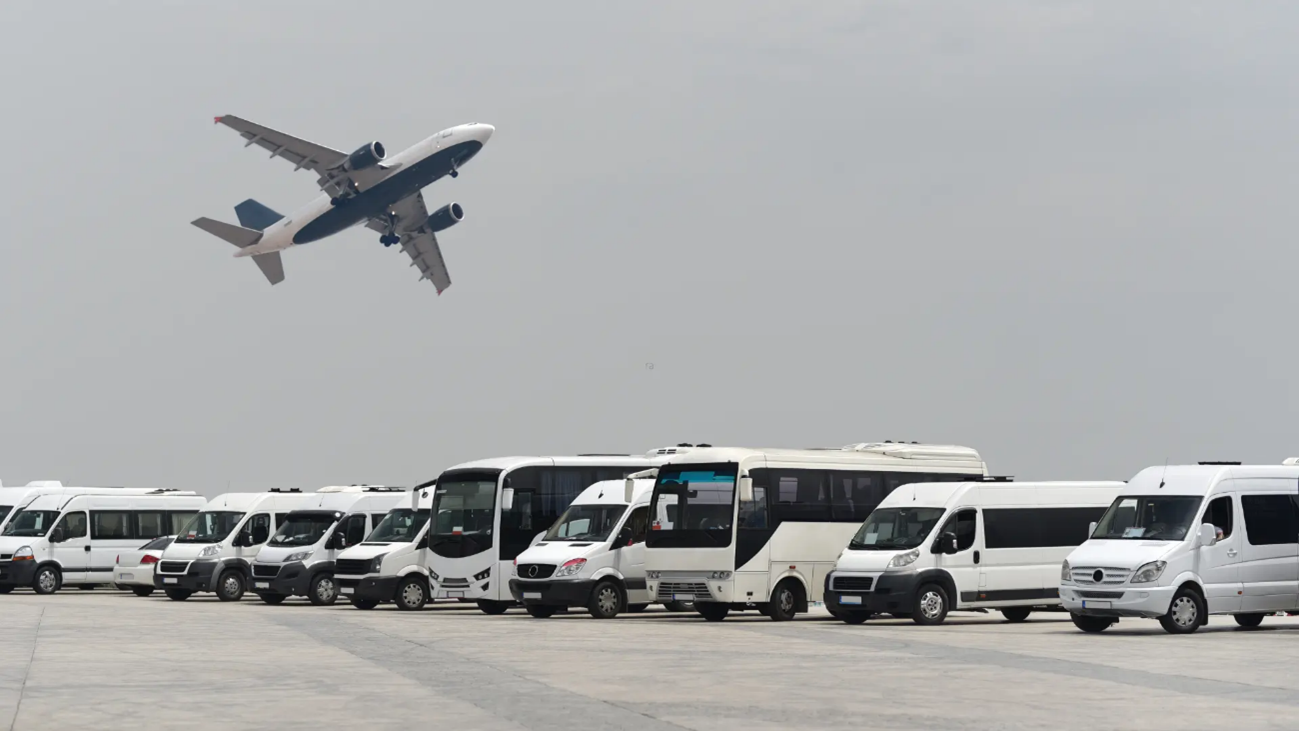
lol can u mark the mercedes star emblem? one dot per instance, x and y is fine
(1098, 576)
(532, 570)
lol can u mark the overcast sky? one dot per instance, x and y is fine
(1061, 233)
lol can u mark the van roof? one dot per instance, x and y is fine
(245, 501)
(345, 502)
(100, 501)
(1200, 479)
(942, 494)
(884, 455)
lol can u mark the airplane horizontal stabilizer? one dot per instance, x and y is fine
(237, 235)
(271, 266)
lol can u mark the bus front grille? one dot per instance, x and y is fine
(670, 589)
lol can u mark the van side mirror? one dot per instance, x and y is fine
(624, 537)
(537, 538)
(1091, 529)
(56, 536)
(1208, 534)
(423, 542)
(507, 498)
(746, 489)
(628, 490)
(946, 543)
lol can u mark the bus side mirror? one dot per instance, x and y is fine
(1208, 534)
(1091, 529)
(628, 490)
(746, 489)
(507, 498)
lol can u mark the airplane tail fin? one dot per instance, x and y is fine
(270, 264)
(256, 216)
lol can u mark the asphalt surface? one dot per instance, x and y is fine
(104, 660)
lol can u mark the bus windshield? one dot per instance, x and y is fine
(210, 526)
(31, 523)
(586, 523)
(398, 526)
(1148, 518)
(464, 507)
(893, 529)
(693, 506)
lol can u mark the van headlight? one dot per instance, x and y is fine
(23, 554)
(210, 551)
(904, 559)
(1065, 573)
(1149, 572)
(299, 556)
(570, 568)
(376, 563)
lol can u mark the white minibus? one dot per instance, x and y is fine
(999, 547)
(594, 554)
(13, 499)
(485, 513)
(299, 559)
(1183, 542)
(59, 540)
(735, 529)
(391, 565)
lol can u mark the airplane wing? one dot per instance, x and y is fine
(324, 161)
(417, 240)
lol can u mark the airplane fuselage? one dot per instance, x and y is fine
(413, 169)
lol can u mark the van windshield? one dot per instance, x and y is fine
(891, 529)
(210, 526)
(399, 526)
(303, 529)
(31, 523)
(586, 523)
(1148, 518)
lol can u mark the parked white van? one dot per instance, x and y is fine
(212, 552)
(391, 564)
(1181, 543)
(13, 499)
(299, 559)
(593, 556)
(74, 540)
(999, 547)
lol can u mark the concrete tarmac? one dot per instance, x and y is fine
(104, 660)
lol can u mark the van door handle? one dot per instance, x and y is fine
(976, 557)
(1231, 553)
(87, 549)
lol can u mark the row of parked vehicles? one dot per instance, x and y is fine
(903, 529)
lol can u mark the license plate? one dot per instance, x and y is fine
(1095, 605)
(683, 597)
(455, 595)
(531, 595)
(170, 581)
(128, 577)
(345, 590)
(850, 600)
(261, 584)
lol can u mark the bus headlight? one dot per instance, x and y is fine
(1149, 572)
(720, 575)
(905, 559)
(653, 574)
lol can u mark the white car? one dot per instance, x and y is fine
(133, 570)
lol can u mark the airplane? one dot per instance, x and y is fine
(362, 187)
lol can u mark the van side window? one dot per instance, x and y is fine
(1219, 514)
(639, 522)
(354, 530)
(110, 524)
(1270, 519)
(963, 524)
(259, 527)
(73, 525)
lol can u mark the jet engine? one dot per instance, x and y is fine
(446, 217)
(365, 157)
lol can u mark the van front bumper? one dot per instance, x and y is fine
(293, 579)
(17, 573)
(1145, 601)
(559, 593)
(889, 593)
(198, 577)
(371, 588)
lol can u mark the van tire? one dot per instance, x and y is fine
(322, 591)
(178, 595)
(47, 580)
(1092, 624)
(677, 606)
(606, 600)
(142, 590)
(272, 599)
(365, 603)
(784, 601)
(1185, 613)
(230, 587)
(6, 588)
(636, 608)
(487, 606)
(712, 611)
(930, 605)
(1016, 614)
(1249, 621)
(412, 594)
(854, 617)
(540, 611)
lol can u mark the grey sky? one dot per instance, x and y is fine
(1061, 233)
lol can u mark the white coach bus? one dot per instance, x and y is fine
(761, 528)
(486, 513)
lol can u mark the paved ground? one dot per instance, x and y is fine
(103, 660)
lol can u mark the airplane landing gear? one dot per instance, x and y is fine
(335, 201)
(389, 239)
(455, 165)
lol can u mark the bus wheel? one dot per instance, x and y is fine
(47, 580)
(1016, 614)
(490, 607)
(783, 602)
(411, 594)
(712, 611)
(540, 611)
(931, 605)
(606, 600)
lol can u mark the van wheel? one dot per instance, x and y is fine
(636, 608)
(47, 580)
(540, 611)
(490, 607)
(272, 599)
(142, 590)
(323, 591)
(178, 595)
(1016, 614)
(677, 606)
(1092, 624)
(712, 611)
(231, 586)
(784, 600)
(931, 605)
(6, 588)
(854, 617)
(365, 603)
(1249, 620)
(411, 594)
(606, 600)
(1185, 613)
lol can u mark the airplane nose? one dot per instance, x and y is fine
(486, 132)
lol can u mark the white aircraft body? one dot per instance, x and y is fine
(363, 187)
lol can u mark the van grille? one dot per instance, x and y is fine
(455, 583)
(536, 570)
(265, 571)
(852, 583)
(352, 566)
(1101, 594)
(6, 556)
(172, 567)
(697, 589)
(1087, 575)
